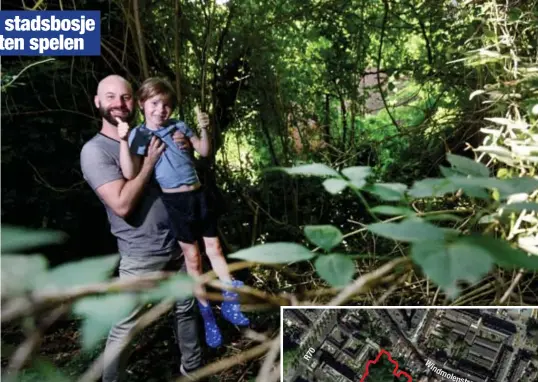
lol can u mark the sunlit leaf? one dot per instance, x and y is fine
(357, 175)
(275, 253)
(334, 185)
(314, 169)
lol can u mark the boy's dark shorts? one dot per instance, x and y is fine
(192, 214)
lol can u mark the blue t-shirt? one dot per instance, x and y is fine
(175, 167)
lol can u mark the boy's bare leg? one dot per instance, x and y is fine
(218, 262)
(193, 263)
(230, 307)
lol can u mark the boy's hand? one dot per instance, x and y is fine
(155, 149)
(123, 129)
(202, 118)
(181, 141)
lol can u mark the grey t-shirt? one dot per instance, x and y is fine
(146, 231)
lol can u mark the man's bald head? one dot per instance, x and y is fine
(112, 81)
(115, 99)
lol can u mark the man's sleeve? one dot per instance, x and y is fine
(97, 167)
(138, 142)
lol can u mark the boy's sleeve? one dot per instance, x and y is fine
(98, 167)
(138, 142)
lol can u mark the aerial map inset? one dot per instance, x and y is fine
(410, 345)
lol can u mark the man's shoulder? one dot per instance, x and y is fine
(97, 147)
(95, 143)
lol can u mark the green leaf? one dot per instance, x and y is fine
(443, 217)
(357, 175)
(392, 210)
(432, 187)
(17, 239)
(274, 253)
(19, 273)
(314, 169)
(447, 263)
(408, 231)
(449, 171)
(467, 166)
(324, 236)
(391, 192)
(503, 253)
(180, 287)
(520, 206)
(336, 269)
(80, 272)
(101, 313)
(508, 187)
(334, 185)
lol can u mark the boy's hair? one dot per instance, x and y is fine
(157, 86)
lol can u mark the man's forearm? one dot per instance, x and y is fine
(133, 190)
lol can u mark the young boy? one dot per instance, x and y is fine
(190, 209)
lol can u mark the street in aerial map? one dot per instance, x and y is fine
(410, 345)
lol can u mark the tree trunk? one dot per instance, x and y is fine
(327, 120)
(344, 120)
(140, 37)
(177, 52)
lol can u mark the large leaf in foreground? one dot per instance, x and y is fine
(336, 269)
(408, 231)
(86, 271)
(100, 313)
(274, 253)
(503, 253)
(447, 263)
(19, 273)
(179, 287)
(324, 236)
(17, 239)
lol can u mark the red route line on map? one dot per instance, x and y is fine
(395, 372)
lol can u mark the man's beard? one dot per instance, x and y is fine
(107, 115)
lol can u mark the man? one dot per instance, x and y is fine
(137, 218)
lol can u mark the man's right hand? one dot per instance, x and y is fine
(123, 129)
(155, 149)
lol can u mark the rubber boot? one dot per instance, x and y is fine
(231, 309)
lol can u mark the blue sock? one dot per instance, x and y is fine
(213, 338)
(230, 309)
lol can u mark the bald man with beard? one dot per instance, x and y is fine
(138, 219)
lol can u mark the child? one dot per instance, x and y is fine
(191, 213)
